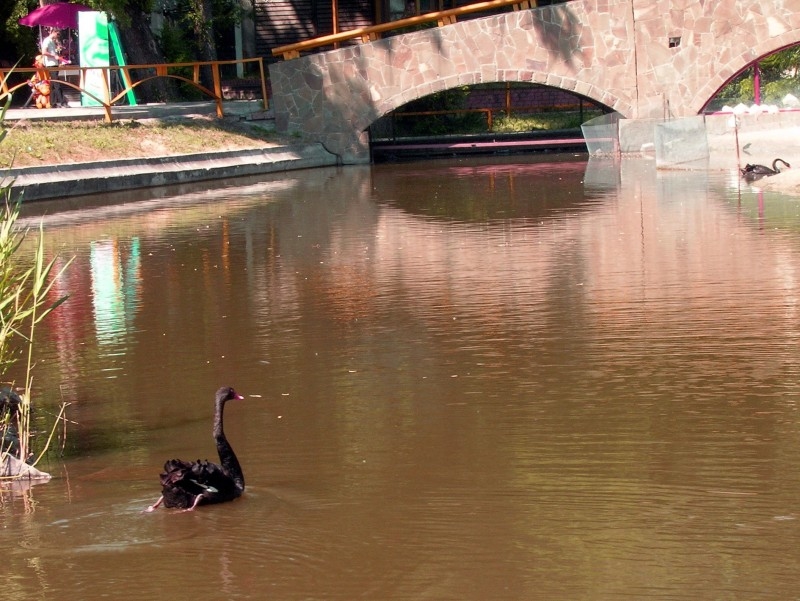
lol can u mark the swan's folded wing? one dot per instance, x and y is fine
(215, 479)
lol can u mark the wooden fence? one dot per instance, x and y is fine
(132, 76)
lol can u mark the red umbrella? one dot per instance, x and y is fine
(63, 15)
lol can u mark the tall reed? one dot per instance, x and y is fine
(25, 286)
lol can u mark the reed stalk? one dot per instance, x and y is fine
(25, 292)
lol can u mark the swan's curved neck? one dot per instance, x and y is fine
(227, 457)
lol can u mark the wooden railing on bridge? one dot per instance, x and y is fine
(128, 83)
(373, 32)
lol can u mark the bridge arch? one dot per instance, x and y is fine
(642, 58)
(731, 70)
(398, 101)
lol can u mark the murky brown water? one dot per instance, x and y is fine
(465, 380)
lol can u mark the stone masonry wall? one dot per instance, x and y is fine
(642, 58)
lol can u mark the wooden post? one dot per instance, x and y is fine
(217, 87)
(264, 99)
(107, 94)
(335, 11)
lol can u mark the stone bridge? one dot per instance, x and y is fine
(643, 58)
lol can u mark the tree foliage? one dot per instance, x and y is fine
(196, 27)
(779, 75)
(451, 101)
(194, 30)
(20, 42)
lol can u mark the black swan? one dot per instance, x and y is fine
(10, 402)
(759, 171)
(189, 484)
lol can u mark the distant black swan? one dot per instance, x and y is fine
(752, 172)
(187, 485)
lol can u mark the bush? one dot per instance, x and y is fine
(440, 124)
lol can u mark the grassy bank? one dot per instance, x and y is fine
(35, 143)
(39, 142)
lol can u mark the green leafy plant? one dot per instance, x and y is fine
(446, 115)
(548, 121)
(779, 75)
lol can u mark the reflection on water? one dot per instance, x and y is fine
(519, 378)
(114, 289)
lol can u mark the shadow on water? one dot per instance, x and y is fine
(496, 189)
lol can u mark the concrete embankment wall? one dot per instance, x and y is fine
(102, 177)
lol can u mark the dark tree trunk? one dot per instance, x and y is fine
(141, 48)
(204, 34)
(208, 51)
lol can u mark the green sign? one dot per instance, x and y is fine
(116, 44)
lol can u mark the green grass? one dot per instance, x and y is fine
(35, 143)
(541, 121)
(475, 123)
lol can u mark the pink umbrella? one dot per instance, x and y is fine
(63, 15)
